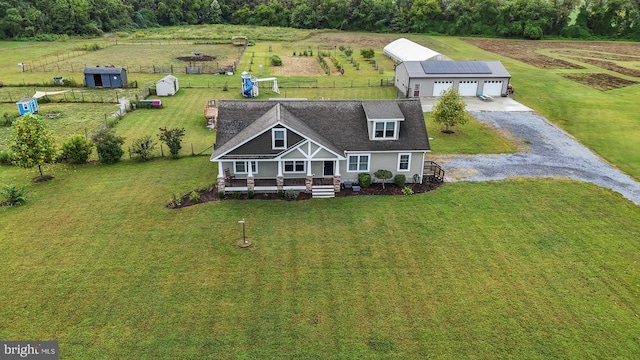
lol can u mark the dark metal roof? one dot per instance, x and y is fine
(455, 67)
(103, 70)
(337, 124)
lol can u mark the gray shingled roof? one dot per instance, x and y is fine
(102, 70)
(339, 125)
(376, 110)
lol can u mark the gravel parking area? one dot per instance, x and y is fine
(551, 153)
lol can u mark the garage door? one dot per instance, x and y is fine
(493, 88)
(440, 86)
(468, 88)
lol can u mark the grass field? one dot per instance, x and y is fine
(111, 273)
(533, 269)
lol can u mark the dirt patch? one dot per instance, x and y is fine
(197, 58)
(374, 189)
(298, 65)
(524, 51)
(612, 67)
(600, 81)
(43, 178)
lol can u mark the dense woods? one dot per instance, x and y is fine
(529, 19)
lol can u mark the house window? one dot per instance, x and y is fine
(416, 90)
(278, 139)
(358, 163)
(385, 130)
(297, 166)
(241, 167)
(403, 162)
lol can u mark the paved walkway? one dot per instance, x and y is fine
(551, 153)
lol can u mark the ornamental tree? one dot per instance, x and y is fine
(383, 175)
(450, 110)
(31, 142)
(173, 139)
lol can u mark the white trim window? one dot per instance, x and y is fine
(242, 167)
(295, 166)
(278, 139)
(357, 163)
(385, 130)
(404, 161)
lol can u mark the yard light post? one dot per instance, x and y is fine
(244, 243)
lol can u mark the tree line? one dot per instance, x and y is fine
(528, 19)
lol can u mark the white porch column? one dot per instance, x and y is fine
(309, 168)
(220, 170)
(337, 170)
(279, 167)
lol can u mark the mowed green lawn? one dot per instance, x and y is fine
(487, 270)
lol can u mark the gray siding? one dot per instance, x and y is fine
(262, 144)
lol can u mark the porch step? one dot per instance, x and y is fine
(322, 191)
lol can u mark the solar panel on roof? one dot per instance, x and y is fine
(455, 67)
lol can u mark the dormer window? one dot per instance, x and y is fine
(278, 139)
(385, 130)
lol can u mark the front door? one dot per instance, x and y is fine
(97, 80)
(328, 168)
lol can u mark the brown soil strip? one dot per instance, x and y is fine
(612, 67)
(600, 81)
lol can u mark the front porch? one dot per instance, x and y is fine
(271, 185)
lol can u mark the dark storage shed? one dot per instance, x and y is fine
(105, 77)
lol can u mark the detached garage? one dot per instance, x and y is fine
(167, 86)
(470, 78)
(105, 77)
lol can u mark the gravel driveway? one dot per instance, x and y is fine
(552, 153)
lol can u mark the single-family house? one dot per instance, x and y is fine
(272, 145)
(167, 86)
(27, 106)
(105, 77)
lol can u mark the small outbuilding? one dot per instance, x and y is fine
(470, 78)
(27, 106)
(167, 86)
(406, 50)
(105, 77)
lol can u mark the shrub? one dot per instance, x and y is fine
(280, 193)
(70, 82)
(276, 61)
(6, 157)
(400, 179)
(364, 179)
(7, 119)
(175, 200)
(236, 194)
(348, 52)
(13, 195)
(367, 53)
(77, 149)
(194, 196)
(342, 48)
(173, 139)
(221, 194)
(250, 194)
(291, 194)
(108, 145)
(407, 191)
(532, 32)
(143, 147)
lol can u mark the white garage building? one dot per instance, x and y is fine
(471, 78)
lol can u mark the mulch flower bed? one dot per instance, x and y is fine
(374, 189)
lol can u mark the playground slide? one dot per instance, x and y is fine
(247, 90)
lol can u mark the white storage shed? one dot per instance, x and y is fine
(167, 86)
